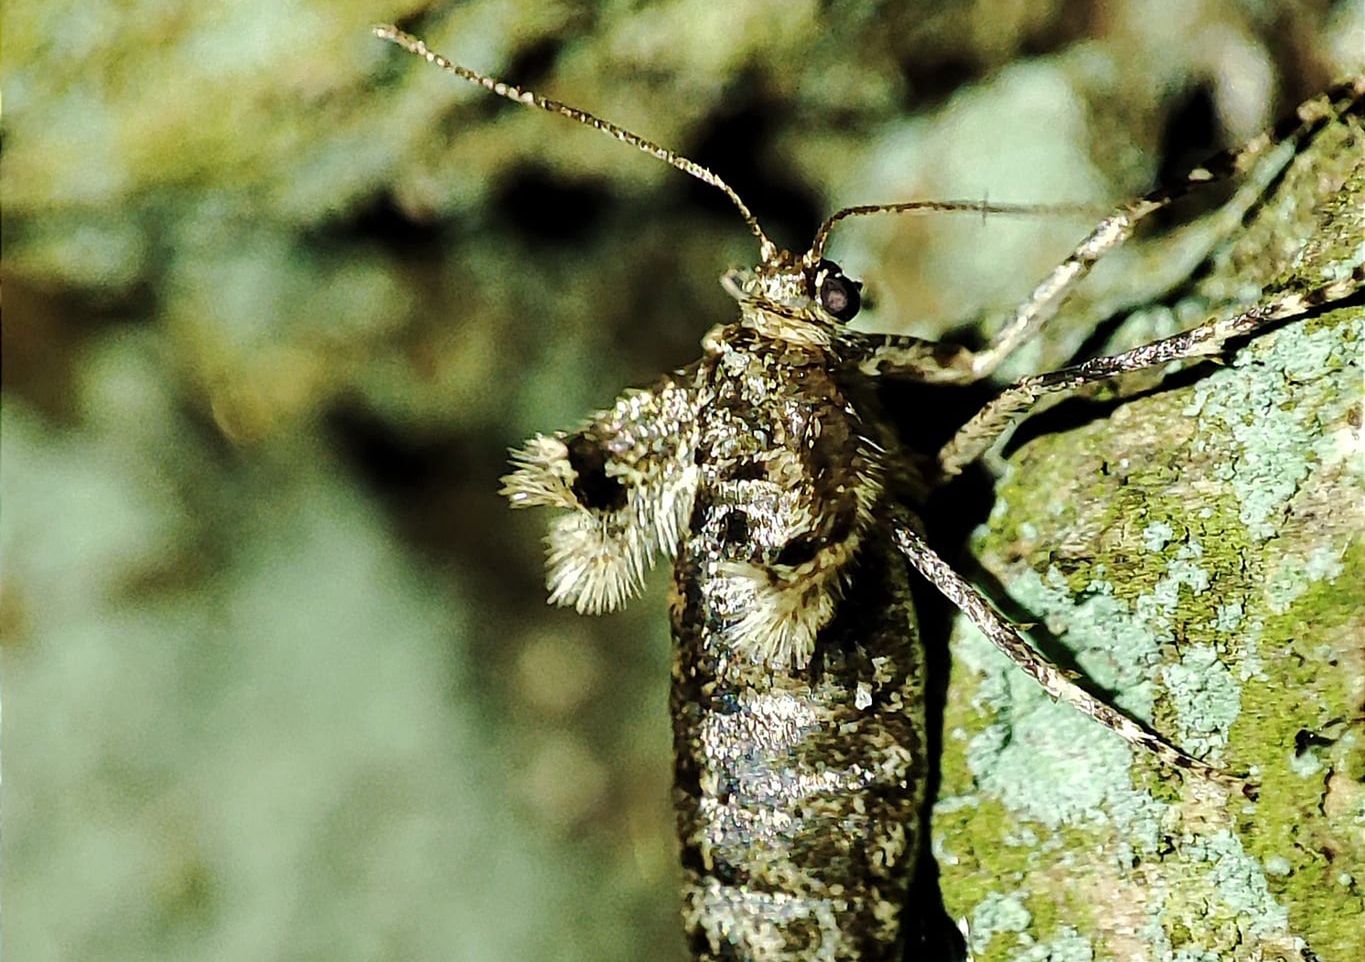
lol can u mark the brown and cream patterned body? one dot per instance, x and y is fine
(767, 473)
(799, 776)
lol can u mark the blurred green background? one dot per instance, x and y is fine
(279, 678)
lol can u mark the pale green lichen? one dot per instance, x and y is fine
(1047, 761)
(1116, 650)
(997, 914)
(1278, 865)
(1023, 836)
(1228, 616)
(1067, 945)
(1206, 698)
(1248, 651)
(1272, 459)
(1222, 904)
(1240, 884)
(1157, 535)
(1119, 649)
(1157, 609)
(1295, 574)
(1307, 763)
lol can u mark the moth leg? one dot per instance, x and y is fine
(922, 360)
(901, 355)
(1016, 401)
(1055, 681)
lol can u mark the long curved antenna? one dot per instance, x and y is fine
(414, 46)
(982, 207)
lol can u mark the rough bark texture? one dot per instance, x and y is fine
(1197, 551)
(279, 677)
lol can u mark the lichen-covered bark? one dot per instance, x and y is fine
(1198, 551)
(279, 677)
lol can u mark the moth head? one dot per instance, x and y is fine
(614, 516)
(794, 294)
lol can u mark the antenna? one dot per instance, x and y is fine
(767, 249)
(982, 207)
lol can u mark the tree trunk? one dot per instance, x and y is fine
(1196, 550)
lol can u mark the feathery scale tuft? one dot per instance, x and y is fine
(772, 613)
(542, 477)
(595, 562)
(597, 553)
(777, 613)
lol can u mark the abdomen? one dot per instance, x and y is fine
(798, 791)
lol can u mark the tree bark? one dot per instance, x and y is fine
(1196, 550)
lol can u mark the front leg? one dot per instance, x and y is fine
(901, 355)
(1207, 340)
(950, 364)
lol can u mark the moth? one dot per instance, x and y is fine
(771, 477)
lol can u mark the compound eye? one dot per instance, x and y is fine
(838, 294)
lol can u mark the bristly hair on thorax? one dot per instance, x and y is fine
(627, 480)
